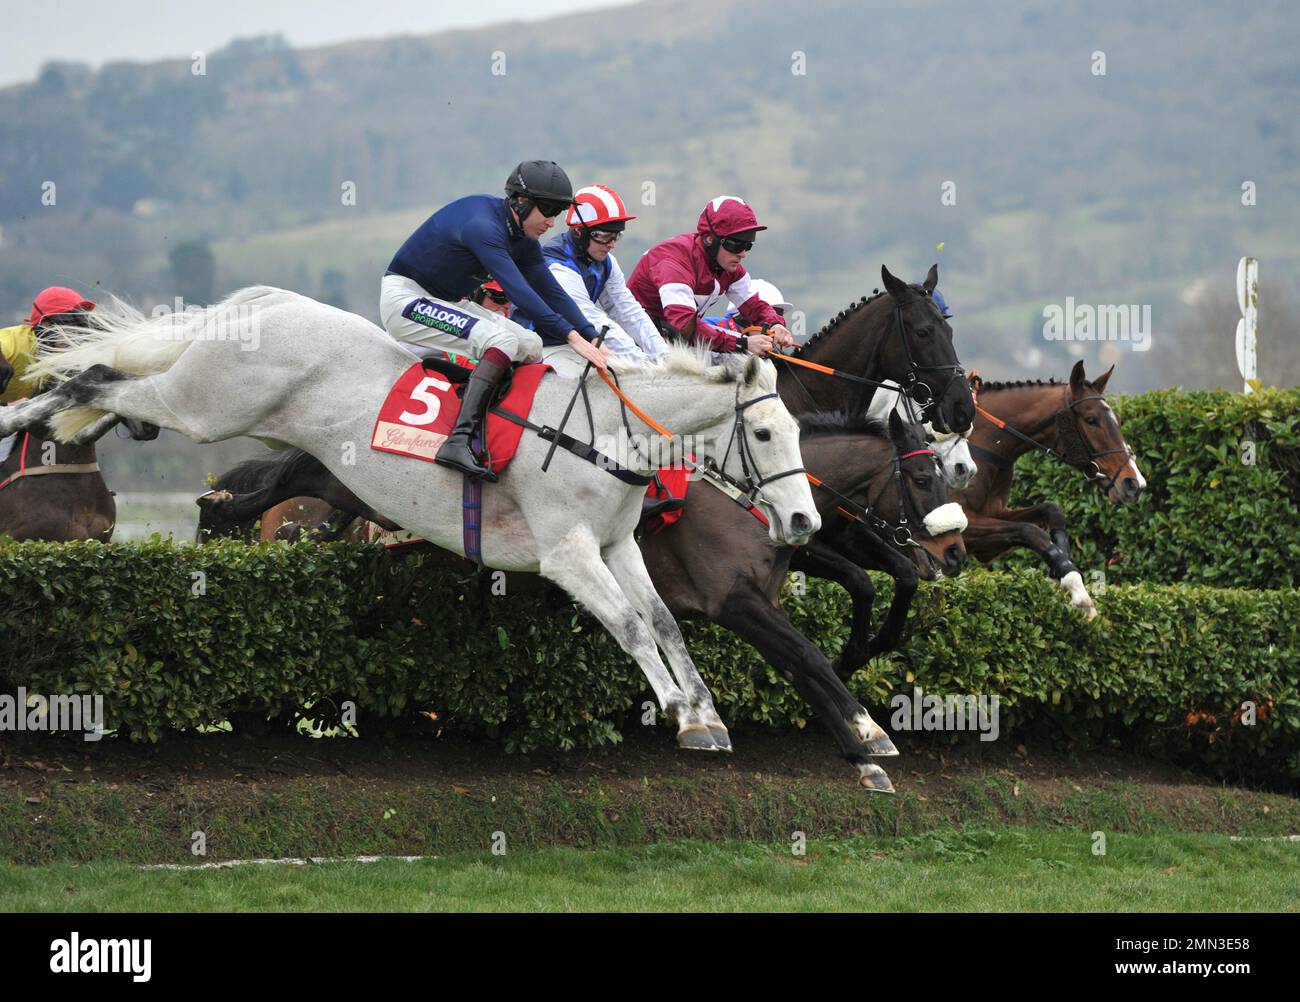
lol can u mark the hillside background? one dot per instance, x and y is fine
(1117, 189)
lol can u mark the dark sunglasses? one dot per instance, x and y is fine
(605, 237)
(548, 208)
(500, 298)
(736, 246)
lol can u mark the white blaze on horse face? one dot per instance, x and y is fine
(1132, 461)
(953, 453)
(946, 518)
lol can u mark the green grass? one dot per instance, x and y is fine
(945, 870)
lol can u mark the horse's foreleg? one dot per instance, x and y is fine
(1048, 516)
(868, 550)
(749, 615)
(625, 562)
(820, 560)
(574, 563)
(986, 538)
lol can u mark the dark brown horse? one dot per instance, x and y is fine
(1072, 423)
(717, 563)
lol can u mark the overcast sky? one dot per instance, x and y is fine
(100, 31)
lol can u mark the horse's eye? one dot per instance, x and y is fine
(1092, 421)
(923, 483)
(763, 435)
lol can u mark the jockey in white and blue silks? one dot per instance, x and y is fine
(449, 256)
(582, 261)
(764, 290)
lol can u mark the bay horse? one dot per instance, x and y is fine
(54, 491)
(285, 369)
(1070, 422)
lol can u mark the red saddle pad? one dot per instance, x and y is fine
(422, 407)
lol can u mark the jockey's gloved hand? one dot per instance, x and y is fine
(599, 357)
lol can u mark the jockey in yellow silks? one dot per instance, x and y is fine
(18, 344)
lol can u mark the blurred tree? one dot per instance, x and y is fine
(194, 271)
(1200, 351)
(334, 288)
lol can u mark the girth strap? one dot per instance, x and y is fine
(583, 450)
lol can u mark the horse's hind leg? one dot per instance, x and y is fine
(749, 615)
(628, 567)
(574, 563)
(141, 398)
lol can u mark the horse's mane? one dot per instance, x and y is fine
(822, 423)
(685, 359)
(1016, 384)
(252, 474)
(851, 309)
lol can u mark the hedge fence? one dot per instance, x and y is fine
(1216, 510)
(176, 636)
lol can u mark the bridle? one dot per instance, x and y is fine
(747, 486)
(900, 532)
(1076, 452)
(913, 388)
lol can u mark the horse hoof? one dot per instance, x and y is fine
(696, 737)
(873, 779)
(882, 747)
(720, 737)
(213, 498)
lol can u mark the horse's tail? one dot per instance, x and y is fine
(122, 337)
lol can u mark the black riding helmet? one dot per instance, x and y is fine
(539, 184)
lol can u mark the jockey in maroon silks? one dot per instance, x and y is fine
(682, 279)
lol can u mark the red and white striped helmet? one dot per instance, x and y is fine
(596, 205)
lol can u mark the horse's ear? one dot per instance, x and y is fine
(1076, 377)
(931, 278)
(895, 286)
(753, 368)
(898, 431)
(1099, 384)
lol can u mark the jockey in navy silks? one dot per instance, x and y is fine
(583, 262)
(451, 255)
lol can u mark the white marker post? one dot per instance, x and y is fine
(1247, 326)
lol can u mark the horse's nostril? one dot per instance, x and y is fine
(961, 469)
(801, 524)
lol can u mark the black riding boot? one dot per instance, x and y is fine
(456, 451)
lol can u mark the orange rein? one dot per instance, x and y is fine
(976, 381)
(633, 407)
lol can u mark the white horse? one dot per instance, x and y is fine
(282, 368)
(951, 449)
